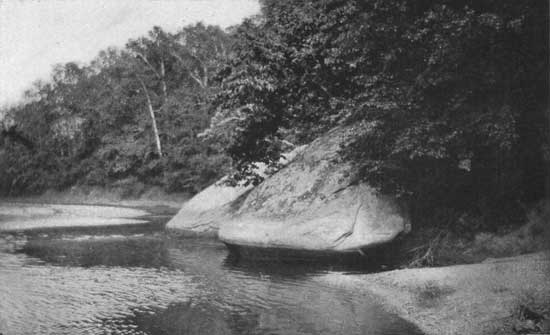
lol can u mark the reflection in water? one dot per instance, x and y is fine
(116, 250)
(127, 281)
(195, 318)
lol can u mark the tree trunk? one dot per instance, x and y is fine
(160, 75)
(153, 119)
(205, 80)
(547, 167)
(163, 82)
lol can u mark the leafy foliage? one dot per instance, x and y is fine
(455, 95)
(89, 124)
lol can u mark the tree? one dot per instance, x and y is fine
(130, 117)
(153, 118)
(153, 51)
(199, 50)
(454, 93)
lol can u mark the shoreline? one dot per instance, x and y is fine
(152, 198)
(481, 298)
(478, 298)
(162, 205)
(21, 216)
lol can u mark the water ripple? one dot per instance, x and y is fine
(132, 282)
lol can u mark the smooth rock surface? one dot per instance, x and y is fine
(315, 203)
(202, 215)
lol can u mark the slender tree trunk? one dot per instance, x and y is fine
(153, 119)
(547, 193)
(163, 82)
(205, 80)
(160, 75)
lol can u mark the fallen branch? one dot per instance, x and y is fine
(428, 257)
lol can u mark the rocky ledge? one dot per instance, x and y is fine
(315, 204)
(202, 215)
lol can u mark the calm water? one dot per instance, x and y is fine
(137, 280)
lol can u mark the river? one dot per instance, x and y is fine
(135, 279)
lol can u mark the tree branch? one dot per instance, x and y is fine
(193, 76)
(144, 59)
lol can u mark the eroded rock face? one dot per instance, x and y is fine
(315, 203)
(202, 215)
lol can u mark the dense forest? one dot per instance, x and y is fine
(131, 116)
(454, 94)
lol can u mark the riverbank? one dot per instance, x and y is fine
(488, 297)
(483, 298)
(153, 200)
(30, 216)
(488, 284)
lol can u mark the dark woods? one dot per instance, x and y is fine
(454, 95)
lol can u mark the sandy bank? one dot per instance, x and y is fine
(21, 216)
(465, 299)
(151, 198)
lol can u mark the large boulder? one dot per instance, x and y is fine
(202, 215)
(316, 203)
